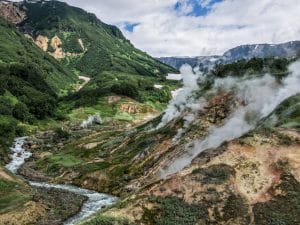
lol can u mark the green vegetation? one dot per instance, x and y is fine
(276, 67)
(113, 83)
(92, 98)
(235, 207)
(104, 220)
(9, 128)
(106, 49)
(116, 153)
(283, 209)
(21, 58)
(172, 210)
(215, 174)
(288, 113)
(12, 194)
(30, 83)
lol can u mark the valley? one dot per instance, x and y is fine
(94, 131)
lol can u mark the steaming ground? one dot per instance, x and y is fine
(261, 96)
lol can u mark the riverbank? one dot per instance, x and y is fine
(57, 203)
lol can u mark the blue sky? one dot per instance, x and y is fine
(194, 8)
(198, 27)
(130, 26)
(197, 8)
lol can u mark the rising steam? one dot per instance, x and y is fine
(261, 95)
(184, 98)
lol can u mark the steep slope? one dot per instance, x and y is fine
(30, 82)
(285, 50)
(84, 42)
(15, 48)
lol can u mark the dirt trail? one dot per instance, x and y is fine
(86, 81)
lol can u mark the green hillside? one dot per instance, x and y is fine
(16, 49)
(30, 82)
(104, 46)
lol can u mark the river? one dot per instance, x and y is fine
(95, 201)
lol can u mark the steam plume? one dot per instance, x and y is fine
(261, 94)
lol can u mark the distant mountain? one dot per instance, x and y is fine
(285, 50)
(177, 62)
(79, 39)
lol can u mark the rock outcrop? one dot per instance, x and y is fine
(12, 11)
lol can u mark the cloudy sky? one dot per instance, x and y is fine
(198, 27)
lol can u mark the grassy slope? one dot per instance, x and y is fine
(287, 115)
(30, 82)
(15, 48)
(13, 192)
(107, 49)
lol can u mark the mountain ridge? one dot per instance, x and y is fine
(284, 50)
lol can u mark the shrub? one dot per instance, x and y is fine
(5, 106)
(104, 220)
(172, 210)
(21, 112)
(61, 133)
(126, 89)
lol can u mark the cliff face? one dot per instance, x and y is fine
(12, 12)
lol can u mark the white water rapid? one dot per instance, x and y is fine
(95, 202)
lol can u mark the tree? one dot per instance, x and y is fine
(5, 106)
(126, 89)
(21, 112)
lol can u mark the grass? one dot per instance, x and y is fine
(101, 107)
(108, 111)
(12, 194)
(30, 82)
(65, 160)
(123, 116)
(19, 49)
(292, 124)
(288, 113)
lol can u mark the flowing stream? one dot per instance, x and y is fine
(95, 202)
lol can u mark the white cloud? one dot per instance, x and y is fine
(165, 32)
